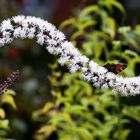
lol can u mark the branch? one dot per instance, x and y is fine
(55, 42)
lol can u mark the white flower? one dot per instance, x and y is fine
(86, 78)
(30, 33)
(50, 49)
(68, 48)
(104, 86)
(20, 32)
(96, 84)
(6, 24)
(2, 42)
(93, 66)
(40, 39)
(73, 68)
(94, 79)
(110, 75)
(60, 36)
(102, 70)
(46, 33)
(63, 59)
(49, 27)
(18, 19)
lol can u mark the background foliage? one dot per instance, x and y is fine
(53, 104)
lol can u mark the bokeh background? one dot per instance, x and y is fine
(49, 103)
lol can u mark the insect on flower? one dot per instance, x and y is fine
(115, 68)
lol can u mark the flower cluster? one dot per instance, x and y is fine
(55, 42)
(9, 81)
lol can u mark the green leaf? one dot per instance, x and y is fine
(84, 134)
(47, 130)
(98, 42)
(61, 117)
(10, 92)
(69, 136)
(67, 22)
(2, 113)
(124, 29)
(133, 42)
(109, 26)
(84, 23)
(132, 112)
(75, 109)
(4, 124)
(76, 34)
(90, 9)
(123, 135)
(8, 99)
(88, 48)
(131, 53)
(117, 5)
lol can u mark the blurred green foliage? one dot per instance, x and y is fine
(8, 99)
(79, 111)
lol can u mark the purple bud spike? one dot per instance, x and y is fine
(9, 81)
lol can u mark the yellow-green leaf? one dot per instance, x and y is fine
(46, 130)
(67, 22)
(117, 5)
(2, 113)
(4, 124)
(68, 136)
(88, 10)
(109, 26)
(9, 100)
(10, 92)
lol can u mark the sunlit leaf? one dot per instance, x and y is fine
(2, 113)
(123, 134)
(76, 34)
(61, 117)
(132, 112)
(124, 29)
(46, 107)
(67, 22)
(10, 92)
(88, 10)
(84, 134)
(69, 136)
(109, 26)
(4, 124)
(116, 4)
(8, 99)
(75, 109)
(46, 130)
(84, 23)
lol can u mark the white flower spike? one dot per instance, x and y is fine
(56, 43)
